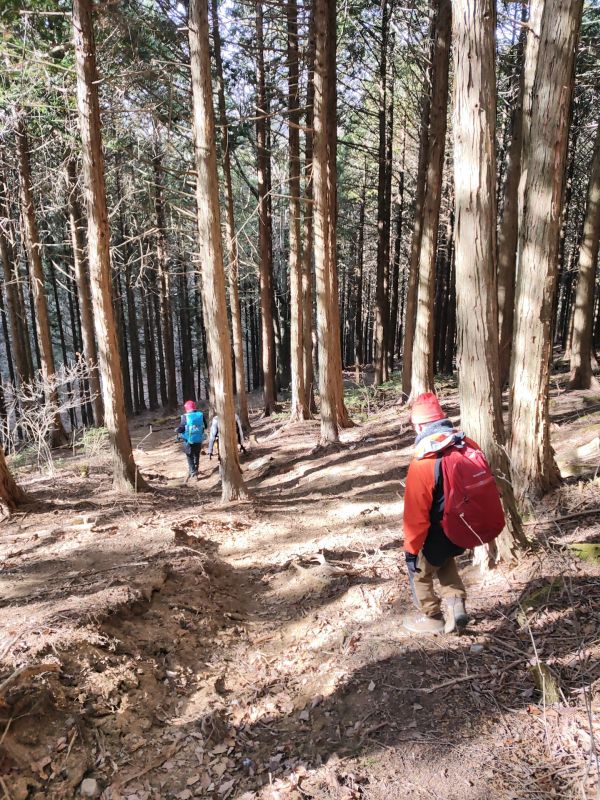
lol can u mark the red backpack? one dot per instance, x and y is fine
(473, 512)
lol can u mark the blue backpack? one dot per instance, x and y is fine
(194, 427)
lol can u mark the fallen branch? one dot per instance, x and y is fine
(453, 681)
(582, 513)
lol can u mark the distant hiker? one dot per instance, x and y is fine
(451, 503)
(214, 435)
(191, 432)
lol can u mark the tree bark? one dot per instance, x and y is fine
(211, 255)
(234, 295)
(508, 230)
(32, 243)
(358, 317)
(264, 222)
(581, 376)
(11, 494)
(422, 356)
(126, 476)
(308, 237)
(410, 315)
(533, 466)
(333, 411)
(299, 405)
(82, 281)
(383, 211)
(475, 243)
(164, 286)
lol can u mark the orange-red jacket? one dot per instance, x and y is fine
(420, 486)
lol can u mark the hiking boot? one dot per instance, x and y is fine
(421, 623)
(456, 616)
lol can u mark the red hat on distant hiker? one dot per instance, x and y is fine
(189, 405)
(426, 408)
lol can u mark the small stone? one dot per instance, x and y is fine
(476, 648)
(371, 686)
(89, 788)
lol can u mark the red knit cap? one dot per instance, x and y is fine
(426, 408)
(189, 405)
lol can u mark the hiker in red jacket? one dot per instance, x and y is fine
(429, 552)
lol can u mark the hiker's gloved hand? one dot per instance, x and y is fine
(411, 562)
(210, 456)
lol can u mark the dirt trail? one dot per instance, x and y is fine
(255, 651)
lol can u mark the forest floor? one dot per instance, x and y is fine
(164, 646)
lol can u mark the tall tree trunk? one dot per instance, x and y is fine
(125, 473)
(149, 346)
(122, 339)
(61, 336)
(187, 359)
(422, 364)
(33, 248)
(395, 299)
(164, 286)
(264, 221)
(333, 411)
(299, 409)
(8, 351)
(360, 256)
(508, 230)
(383, 210)
(583, 314)
(211, 255)
(410, 315)
(83, 292)
(232, 253)
(475, 242)
(308, 232)
(23, 374)
(532, 459)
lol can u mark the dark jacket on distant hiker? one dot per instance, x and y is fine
(214, 434)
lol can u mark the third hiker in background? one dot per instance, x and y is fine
(191, 432)
(451, 503)
(214, 435)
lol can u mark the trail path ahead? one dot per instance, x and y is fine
(255, 651)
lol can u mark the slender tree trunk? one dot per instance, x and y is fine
(149, 347)
(33, 248)
(12, 302)
(308, 237)
(583, 314)
(508, 230)
(164, 286)
(264, 219)
(358, 318)
(211, 255)
(83, 291)
(299, 408)
(234, 296)
(383, 210)
(410, 315)
(422, 364)
(187, 358)
(451, 323)
(395, 299)
(122, 339)
(475, 238)
(333, 411)
(125, 473)
(8, 351)
(532, 459)
(61, 338)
